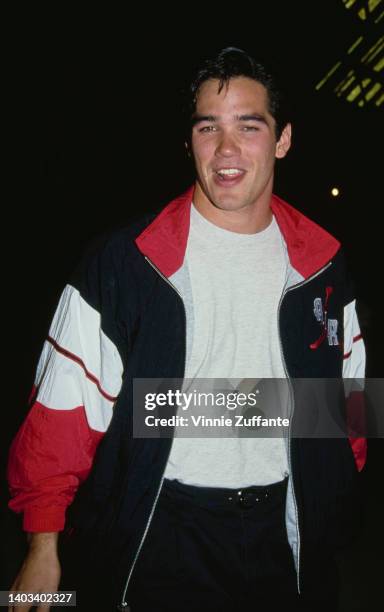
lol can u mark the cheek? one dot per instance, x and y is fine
(200, 162)
(203, 152)
(262, 156)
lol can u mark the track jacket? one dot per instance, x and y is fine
(121, 318)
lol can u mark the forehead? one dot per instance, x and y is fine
(238, 93)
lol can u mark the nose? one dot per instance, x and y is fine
(227, 146)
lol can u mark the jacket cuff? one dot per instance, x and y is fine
(44, 520)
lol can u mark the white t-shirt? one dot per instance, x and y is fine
(231, 285)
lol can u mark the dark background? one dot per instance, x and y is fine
(97, 139)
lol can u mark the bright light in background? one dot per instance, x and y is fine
(335, 192)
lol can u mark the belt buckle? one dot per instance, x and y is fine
(247, 499)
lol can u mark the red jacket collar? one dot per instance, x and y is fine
(164, 241)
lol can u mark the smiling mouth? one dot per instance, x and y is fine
(229, 175)
(229, 172)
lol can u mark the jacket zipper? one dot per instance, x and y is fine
(305, 281)
(124, 605)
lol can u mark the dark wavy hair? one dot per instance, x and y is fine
(229, 63)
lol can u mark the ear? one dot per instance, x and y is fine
(284, 142)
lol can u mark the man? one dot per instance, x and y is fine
(228, 281)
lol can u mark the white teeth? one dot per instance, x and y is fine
(229, 171)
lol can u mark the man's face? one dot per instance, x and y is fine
(234, 144)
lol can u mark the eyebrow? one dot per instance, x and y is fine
(200, 118)
(196, 119)
(253, 117)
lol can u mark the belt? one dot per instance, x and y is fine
(245, 497)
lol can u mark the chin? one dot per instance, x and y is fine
(229, 202)
(226, 205)
(222, 199)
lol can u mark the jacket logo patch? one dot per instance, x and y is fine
(329, 326)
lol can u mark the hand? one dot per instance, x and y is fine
(40, 572)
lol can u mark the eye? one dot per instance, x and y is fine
(250, 128)
(207, 128)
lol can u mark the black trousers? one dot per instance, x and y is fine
(219, 550)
